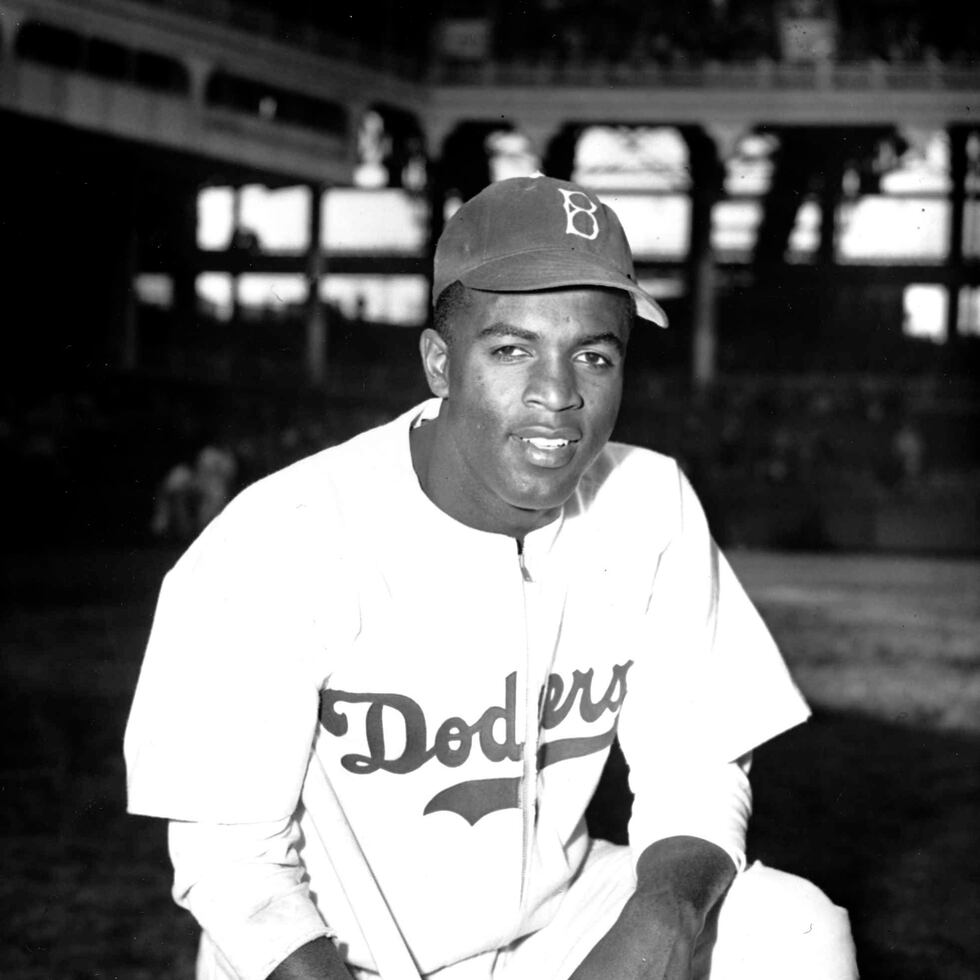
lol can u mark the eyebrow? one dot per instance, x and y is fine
(500, 329)
(503, 330)
(604, 338)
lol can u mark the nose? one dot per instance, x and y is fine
(553, 385)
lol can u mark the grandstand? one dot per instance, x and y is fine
(219, 217)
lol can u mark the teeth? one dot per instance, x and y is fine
(540, 443)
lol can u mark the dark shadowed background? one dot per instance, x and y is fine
(215, 228)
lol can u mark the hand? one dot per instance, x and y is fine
(654, 938)
(317, 960)
(680, 881)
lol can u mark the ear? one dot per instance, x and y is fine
(435, 361)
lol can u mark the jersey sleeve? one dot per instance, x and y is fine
(247, 887)
(710, 687)
(226, 704)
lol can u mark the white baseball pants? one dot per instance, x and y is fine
(772, 926)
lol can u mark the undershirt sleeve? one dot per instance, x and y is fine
(245, 885)
(713, 802)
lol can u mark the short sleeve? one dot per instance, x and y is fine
(226, 704)
(712, 685)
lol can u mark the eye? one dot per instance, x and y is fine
(594, 358)
(509, 352)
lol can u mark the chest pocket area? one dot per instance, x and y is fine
(606, 619)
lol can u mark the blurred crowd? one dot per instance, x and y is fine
(129, 465)
(673, 34)
(662, 34)
(668, 33)
(818, 435)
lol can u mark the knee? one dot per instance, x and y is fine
(788, 898)
(785, 927)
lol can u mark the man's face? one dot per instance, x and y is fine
(532, 383)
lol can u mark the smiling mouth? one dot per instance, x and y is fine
(550, 452)
(539, 442)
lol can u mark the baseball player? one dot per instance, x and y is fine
(381, 685)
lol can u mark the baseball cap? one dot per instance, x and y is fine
(526, 234)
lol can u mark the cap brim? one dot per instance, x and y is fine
(540, 269)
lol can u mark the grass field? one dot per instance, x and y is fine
(877, 799)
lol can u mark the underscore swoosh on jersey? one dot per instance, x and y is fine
(476, 798)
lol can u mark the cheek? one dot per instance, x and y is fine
(606, 400)
(488, 403)
(481, 419)
(479, 423)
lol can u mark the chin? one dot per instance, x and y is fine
(543, 498)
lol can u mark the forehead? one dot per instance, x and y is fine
(586, 309)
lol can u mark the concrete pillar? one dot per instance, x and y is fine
(831, 191)
(706, 182)
(128, 355)
(436, 129)
(116, 204)
(183, 249)
(726, 137)
(436, 193)
(704, 339)
(316, 315)
(11, 18)
(356, 111)
(199, 71)
(957, 205)
(236, 227)
(559, 155)
(539, 134)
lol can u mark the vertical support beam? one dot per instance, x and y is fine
(704, 339)
(702, 280)
(957, 206)
(316, 317)
(183, 248)
(236, 239)
(11, 18)
(116, 205)
(199, 72)
(436, 192)
(128, 355)
(540, 137)
(558, 156)
(831, 192)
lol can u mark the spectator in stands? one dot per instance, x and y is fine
(175, 510)
(908, 447)
(190, 497)
(214, 476)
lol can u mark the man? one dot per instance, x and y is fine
(438, 628)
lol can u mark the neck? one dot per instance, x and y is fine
(430, 464)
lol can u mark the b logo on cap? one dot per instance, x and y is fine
(573, 210)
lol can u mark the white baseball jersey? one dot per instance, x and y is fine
(461, 696)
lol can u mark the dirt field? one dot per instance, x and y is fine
(877, 799)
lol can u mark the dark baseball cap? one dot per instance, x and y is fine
(527, 234)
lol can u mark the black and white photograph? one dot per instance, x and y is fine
(491, 490)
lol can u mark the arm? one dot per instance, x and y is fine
(246, 886)
(317, 960)
(679, 881)
(713, 687)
